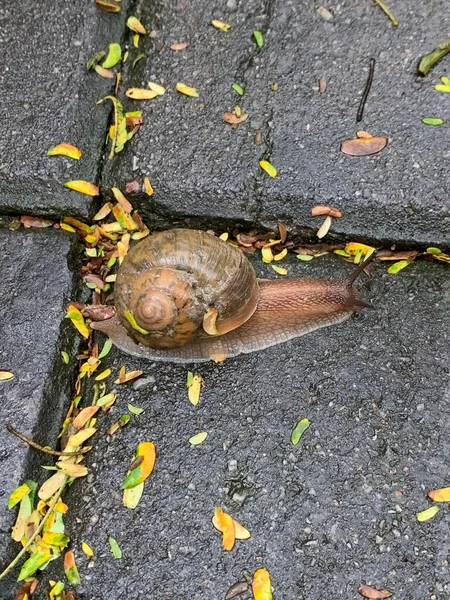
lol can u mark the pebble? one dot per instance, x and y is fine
(232, 5)
(143, 382)
(232, 465)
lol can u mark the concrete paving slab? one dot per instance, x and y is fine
(202, 169)
(37, 282)
(48, 97)
(198, 165)
(336, 511)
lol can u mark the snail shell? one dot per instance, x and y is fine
(170, 280)
(173, 283)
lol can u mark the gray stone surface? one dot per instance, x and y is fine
(333, 512)
(203, 170)
(49, 98)
(37, 282)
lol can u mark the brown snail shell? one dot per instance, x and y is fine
(176, 288)
(171, 279)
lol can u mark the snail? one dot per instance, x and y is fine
(187, 296)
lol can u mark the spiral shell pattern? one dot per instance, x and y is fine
(170, 279)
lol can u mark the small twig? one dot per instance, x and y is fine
(37, 446)
(427, 61)
(362, 104)
(387, 12)
(52, 505)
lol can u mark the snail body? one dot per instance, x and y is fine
(187, 296)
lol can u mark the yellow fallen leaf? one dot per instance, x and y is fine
(280, 255)
(77, 439)
(155, 87)
(220, 25)
(103, 212)
(353, 248)
(103, 375)
(186, 90)
(324, 228)
(134, 24)
(124, 203)
(65, 150)
(72, 469)
(83, 416)
(148, 189)
(279, 270)
(268, 168)
(427, 514)
(125, 377)
(87, 549)
(194, 384)
(227, 527)
(267, 254)
(132, 495)
(241, 532)
(261, 586)
(78, 320)
(440, 495)
(141, 94)
(6, 375)
(83, 187)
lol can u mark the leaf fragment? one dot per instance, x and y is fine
(148, 189)
(78, 320)
(135, 410)
(83, 187)
(433, 121)
(95, 59)
(398, 266)
(241, 532)
(258, 38)
(17, 495)
(51, 485)
(70, 568)
(353, 248)
(427, 514)
(186, 90)
(194, 385)
(132, 496)
(279, 270)
(83, 416)
(268, 168)
(324, 228)
(38, 558)
(363, 145)
(319, 210)
(71, 469)
(115, 548)
(439, 495)
(106, 349)
(233, 119)
(427, 61)
(442, 88)
(299, 430)
(121, 422)
(198, 438)
(65, 150)
(65, 357)
(372, 593)
(220, 25)
(179, 46)
(237, 88)
(108, 6)
(141, 94)
(87, 549)
(125, 377)
(227, 528)
(147, 451)
(6, 375)
(135, 25)
(155, 87)
(261, 585)
(113, 56)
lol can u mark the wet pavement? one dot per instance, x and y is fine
(338, 510)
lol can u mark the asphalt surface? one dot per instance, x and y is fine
(204, 171)
(339, 509)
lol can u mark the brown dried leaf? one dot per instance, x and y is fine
(363, 146)
(409, 255)
(98, 312)
(107, 6)
(328, 211)
(233, 119)
(282, 231)
(35, 222)
(372, 593)
(322, 85)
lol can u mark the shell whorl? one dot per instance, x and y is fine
(169, 280)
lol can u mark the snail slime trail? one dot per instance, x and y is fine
(184, 295)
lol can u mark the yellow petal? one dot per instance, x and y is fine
(65, 150)
(268, 168)
(159, 89)
(141, 94)
(84, 187)
(186, 90)
(220, 25)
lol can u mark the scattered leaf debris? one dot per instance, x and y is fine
(433, 121)
(135, 25)
(83, 187)
(234, 120)
(319, 210)
(179, 46)
(238, 89)
(108, 6)
(324, 228)
(65, 150)
(141, 94)
(325, 13)
(113, 56)
(6, 375)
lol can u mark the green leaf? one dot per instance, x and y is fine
(137, 59)
(433, 250)
(398, 266)
(66, 357)
(144, 469)
(433, 121)
(37, 559)
(120, 126)
(197, 439)
(268, 168)
(427, 514)
(17, 495)
(106, 348)
(135, 25)
(237, 88)
(190, 379)
(299, 430)
(258, 38)
(135, 410)
(341, 252)
(305, 257)
(114, 55)
(132, 321)
(115, 548)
